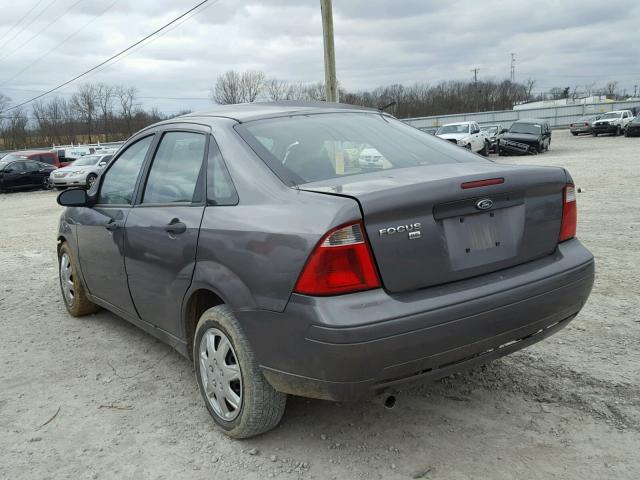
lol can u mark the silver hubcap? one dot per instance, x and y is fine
(91, 179)
(66, 278)
(220, 374)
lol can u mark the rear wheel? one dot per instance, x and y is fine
(626, 132)
(238, 397)
(618, 131)
(73, 292)
(46, 183)
(595, 134)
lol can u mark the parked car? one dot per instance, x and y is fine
(467, 135)
(81, 172)
(526, 136)
(313, 278)
(429, 130)
(633, 128)
(492, 133)
(371, 158)
(612, 122)
(21, 173)
(583, 125)
(49, 158)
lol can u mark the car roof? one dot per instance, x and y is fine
(245, 112)
(29, 152)
(531, 120)
(457, 123)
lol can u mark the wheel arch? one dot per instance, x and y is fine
(199, 300)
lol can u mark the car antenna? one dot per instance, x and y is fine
(382, 109)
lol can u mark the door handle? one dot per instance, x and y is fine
(175, 226)
(112, 225)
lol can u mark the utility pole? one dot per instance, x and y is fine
(513, 67)
(635, 91)
(475, 76)
(330, 81)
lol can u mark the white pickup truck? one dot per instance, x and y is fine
(612, 122)
(467, 135)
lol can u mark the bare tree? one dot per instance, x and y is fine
(85, 101)
(276, 89)
(4, 102)
(106, 97)
(530, 84)
(126, 97)
(612, 89)
(252, 84)
(14, 132)
(228, 88)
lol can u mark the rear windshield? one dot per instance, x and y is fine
(455, 128)
(309, 148)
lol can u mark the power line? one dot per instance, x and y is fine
(108, 59)
(21, 19)
(23, 44)
(59, 44)
(28, 24)
(153, 40)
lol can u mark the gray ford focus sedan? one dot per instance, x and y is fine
(253, 240)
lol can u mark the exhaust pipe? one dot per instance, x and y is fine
(387, 400)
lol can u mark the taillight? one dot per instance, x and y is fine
(340, 263)
(569, 213)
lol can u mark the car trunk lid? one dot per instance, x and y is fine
(425, 229)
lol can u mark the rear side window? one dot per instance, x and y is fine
(176, 169)
(46, 159)
(220, 188)
(308, 148)
(120, 180)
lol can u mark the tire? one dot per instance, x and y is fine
(595, 134)
(46, 183)
(575, 134)
(90, 179)
(618, 131)
(258, 406)
(626, 132)
(485, 150)
(74, 295)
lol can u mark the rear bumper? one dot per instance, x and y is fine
(353, 346)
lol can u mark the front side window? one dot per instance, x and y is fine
(176, 169)
(120, 181)
(308, 148)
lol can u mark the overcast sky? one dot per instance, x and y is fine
(378, 42)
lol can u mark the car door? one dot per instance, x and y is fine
(16, 175)
(35, 173)
(100, 229)
(476, 137)
(162, 228)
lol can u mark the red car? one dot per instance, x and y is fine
(39, 156)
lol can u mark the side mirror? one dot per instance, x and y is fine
(74, 197)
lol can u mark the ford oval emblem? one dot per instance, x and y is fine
(484, 204)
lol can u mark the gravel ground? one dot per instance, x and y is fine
(98, 398)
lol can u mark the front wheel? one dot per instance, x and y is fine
(618, 131)
(238, 397)
(485, 150)
(91, 178)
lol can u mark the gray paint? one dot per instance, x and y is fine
(252, 253)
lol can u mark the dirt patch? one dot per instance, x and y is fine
(98, 398)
